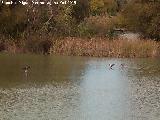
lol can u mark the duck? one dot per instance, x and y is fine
(111, 65)
(122, 65)
(26, 68)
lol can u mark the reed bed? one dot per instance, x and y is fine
(103, 47)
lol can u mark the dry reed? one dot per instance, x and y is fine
(102, 47)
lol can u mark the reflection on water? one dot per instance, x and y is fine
(78, 88)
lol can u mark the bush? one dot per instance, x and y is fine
(96, 26)
(101, 7)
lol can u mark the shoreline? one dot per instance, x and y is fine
(94, 47)
(100, 47)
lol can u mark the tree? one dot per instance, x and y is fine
(80, 10)
(13, 19)
(143, 16)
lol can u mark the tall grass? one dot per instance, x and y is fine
(98, 47)
(102, 47)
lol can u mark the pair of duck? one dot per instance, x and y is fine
(122, 65)
(27, 67)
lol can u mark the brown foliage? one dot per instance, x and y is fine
(102, 47)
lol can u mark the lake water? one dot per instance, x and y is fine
(78, 88)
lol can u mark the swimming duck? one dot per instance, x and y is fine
(111, 65)
(26, 68)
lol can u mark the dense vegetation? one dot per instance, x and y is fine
(34, 28)
(143, 17)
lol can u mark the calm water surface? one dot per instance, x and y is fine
(78, 88)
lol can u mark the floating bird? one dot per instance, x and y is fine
(111, 65)
(26, 68)
(122, 65)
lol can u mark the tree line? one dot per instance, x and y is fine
(87, 18)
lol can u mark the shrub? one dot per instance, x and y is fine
(96, 26)
(101, 7)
